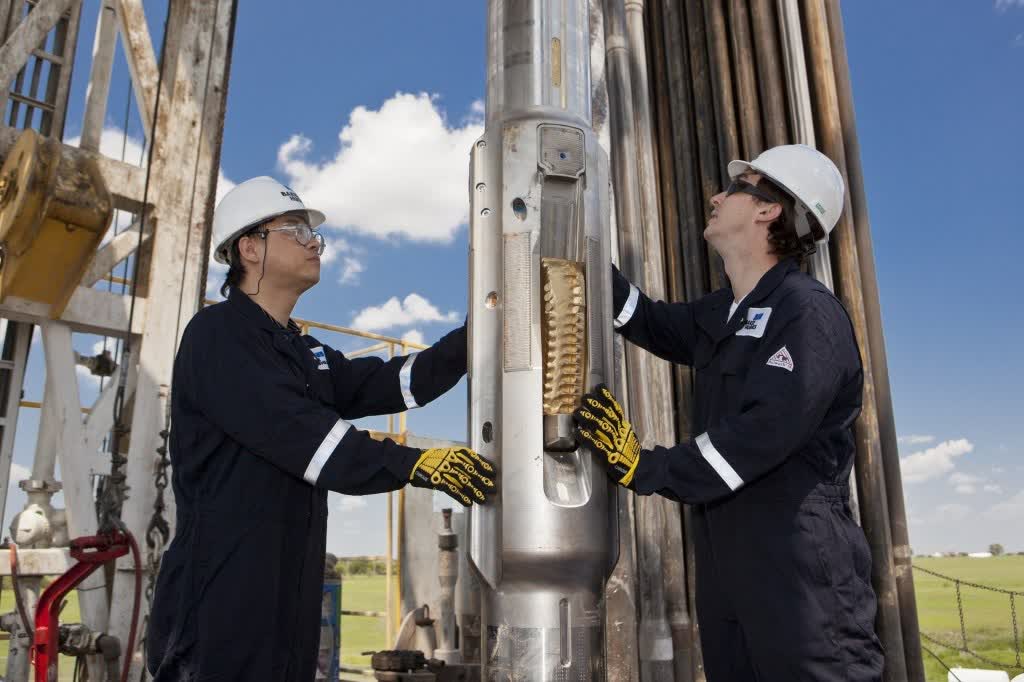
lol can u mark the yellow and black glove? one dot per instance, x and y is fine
(459, 472)
(602, 425)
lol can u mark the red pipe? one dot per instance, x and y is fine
(91, 552)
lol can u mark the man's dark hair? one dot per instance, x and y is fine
(236, 271)
(782, 235)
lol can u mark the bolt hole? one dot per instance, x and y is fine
(488, 432)
(492, 300)
(519, 208)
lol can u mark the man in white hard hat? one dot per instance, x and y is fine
(259, 435)
(783, 572)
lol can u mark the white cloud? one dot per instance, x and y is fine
(413, 335)
(946, 513)
(1018, 40)
(19, 473)
(216, 272)
(348, 503)
(395, 313)
(115, 144)
(1008, 510)
(965, 489)
(350, 269)
(993, 488)
(399, 170)
(224, 185)
(934, 461)
(1003, 5)
(916, 439)
(958, 477)
(478, 107)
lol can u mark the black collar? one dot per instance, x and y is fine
(768, 283)
(713, 317)
(256, 314)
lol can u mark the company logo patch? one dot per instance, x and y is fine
(782, 359)
(755, 323)
(321, 357)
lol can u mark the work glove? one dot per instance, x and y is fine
(459, 472)
(602, 425)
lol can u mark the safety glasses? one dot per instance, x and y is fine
(740, 185)
(302, 233)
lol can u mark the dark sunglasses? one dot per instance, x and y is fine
(740, 185)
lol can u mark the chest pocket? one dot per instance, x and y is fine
(318, 375)
(722, 378)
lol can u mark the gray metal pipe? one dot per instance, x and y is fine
(650, 394)
(674, 553)
(879, 362)
(666, 513)
(540, 300)
(694, 156)
(870, 471)
(621, 645)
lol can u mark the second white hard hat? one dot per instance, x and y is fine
(809, 177)
(250, 203)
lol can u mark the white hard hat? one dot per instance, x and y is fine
(809, 177)
(250, 203)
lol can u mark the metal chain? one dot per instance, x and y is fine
(158, 531)
(960, 608)
(114, 487)
(1016, 630)
(964, 648)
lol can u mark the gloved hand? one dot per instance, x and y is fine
(459, 472)
(601, 424)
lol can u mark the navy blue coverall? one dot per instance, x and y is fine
(259, 435)
(783, 572)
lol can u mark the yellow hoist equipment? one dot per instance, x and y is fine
(54, 211)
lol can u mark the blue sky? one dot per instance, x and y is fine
(368, 109)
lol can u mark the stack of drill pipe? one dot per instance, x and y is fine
(677, 553)
(874, 502)
(722, 87)
(649, 379)
(621, 645)
(876, 344)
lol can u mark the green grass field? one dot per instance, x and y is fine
(987, 615)
(362, 633)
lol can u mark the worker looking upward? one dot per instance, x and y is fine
(259, 434)
(783, 572)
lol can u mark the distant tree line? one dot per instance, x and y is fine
(365, 565)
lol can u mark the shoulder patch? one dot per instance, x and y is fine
(321, 357)
(782, 359)
(755, 323)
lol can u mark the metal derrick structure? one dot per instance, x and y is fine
(676, 89)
